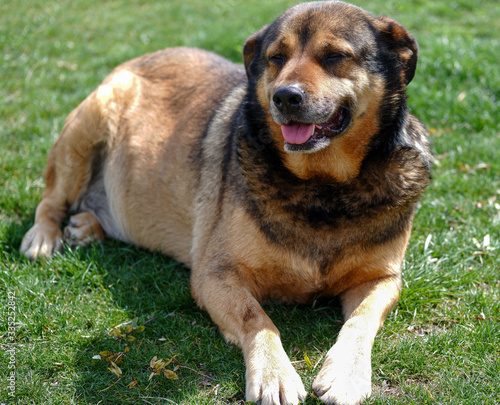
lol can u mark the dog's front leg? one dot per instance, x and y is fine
(270, 377)
(345, 378)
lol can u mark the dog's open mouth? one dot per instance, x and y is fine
(310, 137)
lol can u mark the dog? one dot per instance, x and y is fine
(292, 177)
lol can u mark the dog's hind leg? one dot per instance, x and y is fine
(70, 166)
(83, 228)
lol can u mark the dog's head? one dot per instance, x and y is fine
(323, 70)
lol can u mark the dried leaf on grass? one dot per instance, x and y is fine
(159, 366)
(115, 369)
(111, 356)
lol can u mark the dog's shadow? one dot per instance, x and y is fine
(154, 290)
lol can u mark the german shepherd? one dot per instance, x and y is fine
(293, 177)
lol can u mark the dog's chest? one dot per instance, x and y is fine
(313, 265)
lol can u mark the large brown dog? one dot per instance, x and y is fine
(295, 180)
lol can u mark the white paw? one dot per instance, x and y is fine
(345, 378)
(41, 241)
(270, 378)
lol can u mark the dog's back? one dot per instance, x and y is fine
(154, 164)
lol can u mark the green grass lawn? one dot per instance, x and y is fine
(441, 344)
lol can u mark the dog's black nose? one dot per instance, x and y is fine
(289, 98)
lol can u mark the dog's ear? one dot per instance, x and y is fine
(251, 49)
(400, 41)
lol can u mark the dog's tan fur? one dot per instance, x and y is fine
(163, 154)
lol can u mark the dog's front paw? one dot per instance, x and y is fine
(274, 383)
(345, 379)
(42, 240)
(270, 378)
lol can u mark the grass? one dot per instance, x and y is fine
(440, 345)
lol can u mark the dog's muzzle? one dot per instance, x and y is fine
(302, 132)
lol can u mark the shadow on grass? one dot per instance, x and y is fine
(154, 289)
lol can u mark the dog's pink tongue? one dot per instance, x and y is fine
(297, 133)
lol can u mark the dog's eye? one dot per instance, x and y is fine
(278, 59)
(334, 57)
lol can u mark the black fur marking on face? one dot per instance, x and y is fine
(306, 30)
